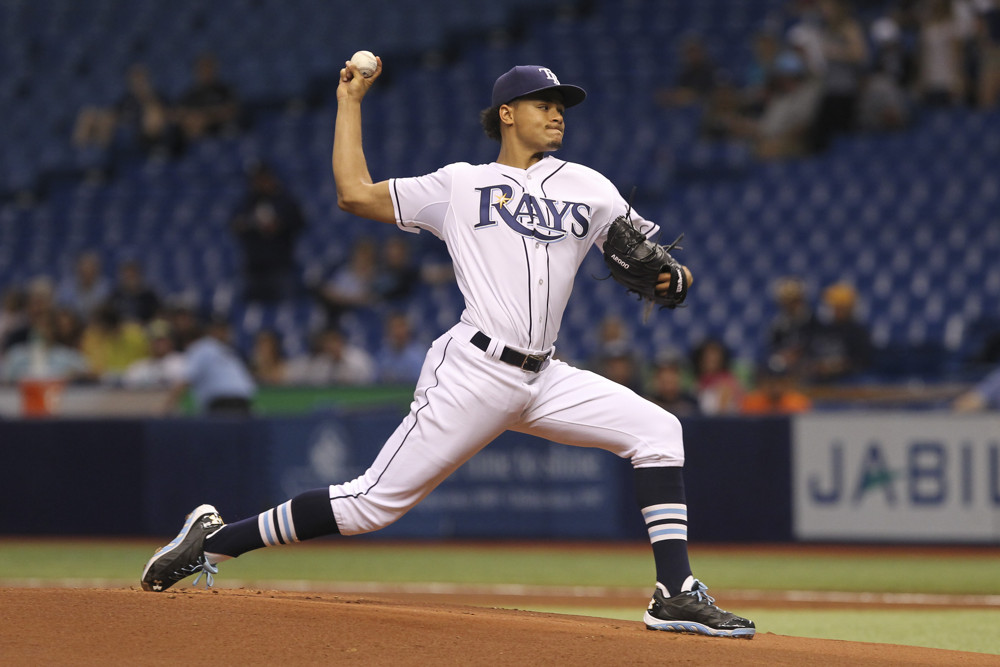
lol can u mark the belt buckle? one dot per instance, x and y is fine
(540, 358)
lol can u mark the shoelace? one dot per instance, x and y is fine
(208, 570)
(202, 567)
(700, 591)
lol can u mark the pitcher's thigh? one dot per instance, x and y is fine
(447, 424)
(578, 407)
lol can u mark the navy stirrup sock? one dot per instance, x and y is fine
(660, 492)
(305, 516)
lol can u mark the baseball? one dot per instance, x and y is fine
(365, 62)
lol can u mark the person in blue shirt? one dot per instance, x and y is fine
(401, 356)
(216, 376)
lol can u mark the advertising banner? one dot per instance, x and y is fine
(897, 477)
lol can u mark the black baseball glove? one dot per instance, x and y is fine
(636, 262)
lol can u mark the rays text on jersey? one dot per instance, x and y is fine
(547, 220)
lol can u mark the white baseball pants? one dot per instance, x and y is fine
(466, 397)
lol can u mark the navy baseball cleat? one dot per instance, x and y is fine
(694, 611)
(185, 555)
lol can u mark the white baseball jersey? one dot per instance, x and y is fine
(517, 238)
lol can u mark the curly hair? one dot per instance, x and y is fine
(490, 120)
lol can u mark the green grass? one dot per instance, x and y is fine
(514, 564)
(901, 571)
(955, 630)
(501, 563)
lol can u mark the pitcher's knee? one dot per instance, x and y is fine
(358, 515)
(663, 443)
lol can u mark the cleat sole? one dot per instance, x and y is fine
(691, 627)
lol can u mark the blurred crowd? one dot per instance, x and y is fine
(811, 351)
(112, 326)
(87, 329)
(828, 67)
(146, 119)
(821, 69)
(807, 348)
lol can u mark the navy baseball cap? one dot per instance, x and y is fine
(526, 79)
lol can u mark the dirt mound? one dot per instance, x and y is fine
(128, 626)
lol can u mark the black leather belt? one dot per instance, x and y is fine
(527, 362)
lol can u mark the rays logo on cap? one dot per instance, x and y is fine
(550, 75)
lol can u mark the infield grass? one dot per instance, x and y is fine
(962, 572)
(954, 630)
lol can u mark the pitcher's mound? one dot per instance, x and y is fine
(190, 626)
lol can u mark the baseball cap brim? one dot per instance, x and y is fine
(572, 95)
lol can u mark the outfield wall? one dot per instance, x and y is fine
(892, 477)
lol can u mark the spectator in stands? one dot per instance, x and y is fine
(839, 348)
(883, 104)
(352, 285)
(727, 111)
(885, 101)
(132, 296)
(783, 128)
(758, 78)
(185, 325)
(111, 344)
(988, 34)
(13, 314)
(805, 35)
(719, 390)
(612, 332)
(398, 276)
(845, 57)
(163, 368)
(41, 357)
(985, 395)
(894, 37)
(776, 392)
(210, 106)
(617, 362)
(215, 375)
(334, 361)
(401, 356)
(141, 117)
(695, 75)
(667, 387)
(268, 364)
(942, 79)
(965, 15)
(86, 288)
(69, 328)
(39, 301)
(789, 331)
(267, 223)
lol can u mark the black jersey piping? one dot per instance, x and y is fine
(548, 267)
(551, 175)
(527, 267)
(395, 196)
(548, 292)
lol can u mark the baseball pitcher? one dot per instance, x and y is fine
(517, 230)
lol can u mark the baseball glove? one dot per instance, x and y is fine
(636, 262)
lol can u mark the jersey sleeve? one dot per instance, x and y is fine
(421, 202)
(618, 206)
